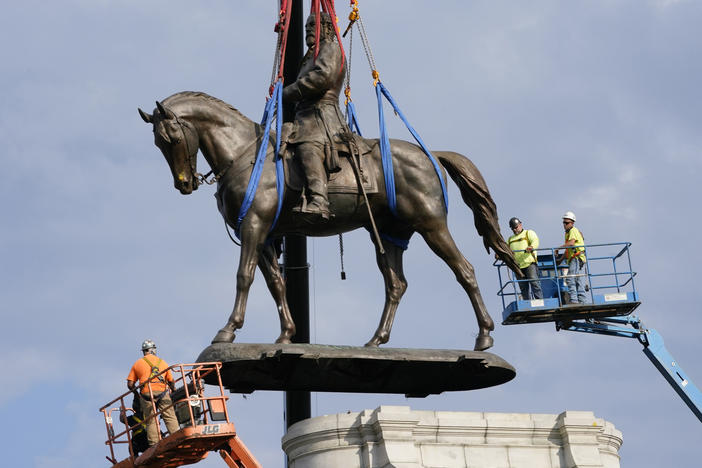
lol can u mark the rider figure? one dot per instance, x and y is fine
(318, 120)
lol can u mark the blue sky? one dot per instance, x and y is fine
(590, 106)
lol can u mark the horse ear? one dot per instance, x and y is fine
(166, 112)
(148, 118)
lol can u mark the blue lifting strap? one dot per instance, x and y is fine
(352, 118)
(386, 155)
(279, 171)
(273, 104)
(401, 243)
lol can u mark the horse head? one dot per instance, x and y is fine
(178, 141)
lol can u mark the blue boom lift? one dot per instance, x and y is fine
(612, 299)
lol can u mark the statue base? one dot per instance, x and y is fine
(247, 367)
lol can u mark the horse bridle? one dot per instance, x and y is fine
(191, 155)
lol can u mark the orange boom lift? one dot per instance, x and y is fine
(204, 425)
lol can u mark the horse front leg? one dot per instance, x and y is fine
(441, 242)
(251, 245)
(390, 266)
(268, 264)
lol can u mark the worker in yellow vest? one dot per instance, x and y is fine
(524, 243)
(148, 372)
(574, 255)
(136, 421)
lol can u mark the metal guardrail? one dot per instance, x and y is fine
(190, 376)
(608, 270)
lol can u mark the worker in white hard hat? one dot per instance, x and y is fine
(574, 255)
(523, 243)
(148, 372)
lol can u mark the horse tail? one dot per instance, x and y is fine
(476, 195)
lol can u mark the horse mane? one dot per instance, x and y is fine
(179, 98)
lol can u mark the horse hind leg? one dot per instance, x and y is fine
(390, 265)
(443, 245)
(268, 264)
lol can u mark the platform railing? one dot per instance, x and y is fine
(191, 376)
(607, 268)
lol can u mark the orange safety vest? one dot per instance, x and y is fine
(154, 377)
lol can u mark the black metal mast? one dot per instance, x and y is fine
(298, 403)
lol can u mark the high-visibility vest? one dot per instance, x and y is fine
(579, 252)
(521, 241)
(154, 377)
(140, 428)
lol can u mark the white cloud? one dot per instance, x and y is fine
(84, 443)
(664, 4)
(29, 367)
(612, 198)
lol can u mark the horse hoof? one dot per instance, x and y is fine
(223, 336)
(483, 342)
(377, 341)
(283, 340)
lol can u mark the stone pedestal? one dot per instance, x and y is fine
(396, 436)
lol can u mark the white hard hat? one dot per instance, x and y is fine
(569, 215)
(147, 345)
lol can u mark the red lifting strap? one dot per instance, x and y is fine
(328, 7)
(283, 23)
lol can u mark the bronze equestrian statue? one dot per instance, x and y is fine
(187, 122)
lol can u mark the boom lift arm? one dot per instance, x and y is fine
(654, 348)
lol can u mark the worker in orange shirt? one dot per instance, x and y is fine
(154, 390)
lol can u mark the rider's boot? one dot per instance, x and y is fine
(317, 208)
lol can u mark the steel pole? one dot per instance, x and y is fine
(297, 404)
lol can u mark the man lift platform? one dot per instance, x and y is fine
(612, 299)
(610, 282)
(204, 422)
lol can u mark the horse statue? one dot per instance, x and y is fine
(189, 121)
